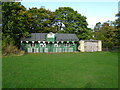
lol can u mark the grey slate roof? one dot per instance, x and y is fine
(59, 37)
(35, 37)
(66, 37)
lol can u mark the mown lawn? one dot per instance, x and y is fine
(62, 70)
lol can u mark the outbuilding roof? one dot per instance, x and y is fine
(58, 37)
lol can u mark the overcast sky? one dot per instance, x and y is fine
(94, 10)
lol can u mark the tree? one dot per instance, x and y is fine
(0, 12)
(105, 33)
(15, 21)
(69, 21)
(97, 27)
(42, 20)
(117, 31)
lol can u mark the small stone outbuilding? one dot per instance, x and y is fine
(90, 45)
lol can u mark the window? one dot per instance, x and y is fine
(66, 44)
(32, 45)
(29, 50)
(42, 45)
(58, 45)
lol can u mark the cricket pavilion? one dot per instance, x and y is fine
(49, 42)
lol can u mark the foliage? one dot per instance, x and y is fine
(15, 24)
(8, 47)
(63, 20)
(11, 50)
(7, 40)
(15, 20)
(97, 27)
(61, 70)
(69, 21)
(117, 31)
(42, 20)
(106, 33)
(0, 13)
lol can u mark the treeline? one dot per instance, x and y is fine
(19, 22)
(109, 33)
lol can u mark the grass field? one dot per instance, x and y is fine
(62, 70)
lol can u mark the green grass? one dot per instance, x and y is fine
(61, 70)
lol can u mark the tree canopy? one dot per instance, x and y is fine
(117, 32)
(15, 20)
(106, 33)
(42, 20)
(69, 21)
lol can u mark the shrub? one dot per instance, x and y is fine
(8, 46)
(10, 49)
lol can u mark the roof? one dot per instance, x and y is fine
(42, 37)
(66, 37)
